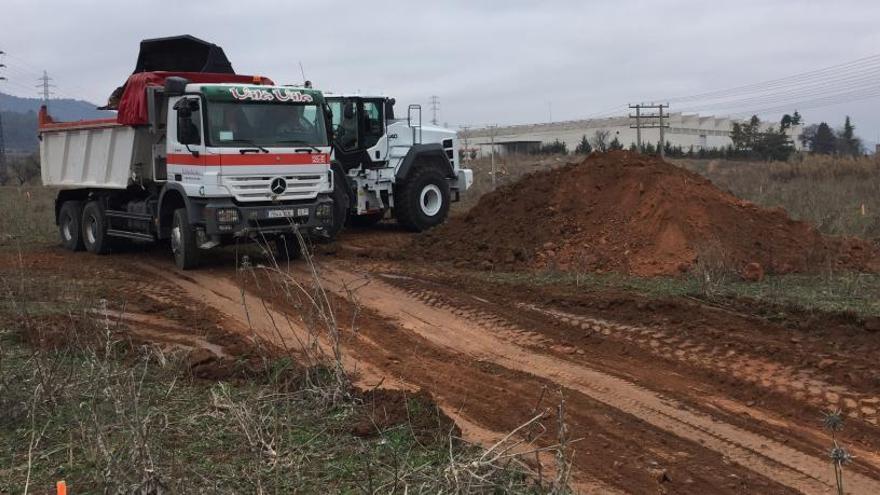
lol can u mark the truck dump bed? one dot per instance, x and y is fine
(97, 153)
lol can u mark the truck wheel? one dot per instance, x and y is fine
(183, 241)
(70, 225)
(367, 220)
(94, 228)
(287, 248)
(422, 201)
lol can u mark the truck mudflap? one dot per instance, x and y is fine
(223, 217)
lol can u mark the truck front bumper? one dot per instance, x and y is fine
(223, 217)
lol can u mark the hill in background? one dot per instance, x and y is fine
(20, 118)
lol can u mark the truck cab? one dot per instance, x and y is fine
(250, 159)
(395, 164)
(201, 161)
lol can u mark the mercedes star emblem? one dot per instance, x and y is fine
(278, 186)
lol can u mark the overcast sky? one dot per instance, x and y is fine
(506, 61)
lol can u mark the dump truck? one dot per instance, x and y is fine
(395, 165)
(195, 158)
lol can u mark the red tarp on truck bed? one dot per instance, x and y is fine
(133, 104)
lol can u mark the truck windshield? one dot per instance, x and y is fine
(265, 124)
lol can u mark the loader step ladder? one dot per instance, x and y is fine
(414, 120)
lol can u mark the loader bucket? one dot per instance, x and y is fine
(182, 54)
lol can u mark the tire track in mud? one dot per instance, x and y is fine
(487, 337)
(803, 385)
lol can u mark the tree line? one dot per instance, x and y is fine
(750, 140)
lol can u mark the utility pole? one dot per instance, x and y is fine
(662, 139)
(435, 109)
(659, 124)
(2, 142)
(492, 129)
(550, 110)
(638, 126)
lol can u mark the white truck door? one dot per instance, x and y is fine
(187, 160)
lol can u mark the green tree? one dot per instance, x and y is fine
(615, 144)
(796, 118)
(824, 142)
(556, 147)
(848, 143)
(584, 147)
(751, 141)
(786, 122)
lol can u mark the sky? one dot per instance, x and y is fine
(504, 62)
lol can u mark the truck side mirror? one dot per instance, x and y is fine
(187, 131)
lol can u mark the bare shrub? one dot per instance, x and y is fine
(713, 269)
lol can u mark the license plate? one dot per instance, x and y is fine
(288, 213)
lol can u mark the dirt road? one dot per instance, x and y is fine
(668, 396)
(654, 408)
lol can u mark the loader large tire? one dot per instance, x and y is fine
(341, 202)
(422, 201)
(70, 225)
(94, 228)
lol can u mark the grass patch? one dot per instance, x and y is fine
(856, 293)
(839, 195)
(112, 418)
(29, 216)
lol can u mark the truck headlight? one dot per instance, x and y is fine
(227, 215)
(324, 210)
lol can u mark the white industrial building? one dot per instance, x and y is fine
(684, 130)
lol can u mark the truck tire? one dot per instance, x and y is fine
(367, 220)
(94, 228)
(422, 201)
(70, 225)
(183, 241)
(341, 202)
(287, 248)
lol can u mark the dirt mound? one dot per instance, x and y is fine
(631, 213)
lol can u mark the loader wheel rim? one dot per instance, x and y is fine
(92, 231)
(431, 200)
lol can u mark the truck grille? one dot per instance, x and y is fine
(257, 188)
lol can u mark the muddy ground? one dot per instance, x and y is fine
(669, 395)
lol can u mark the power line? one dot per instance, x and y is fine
(833, 70)
(866, 81)
(854, 80)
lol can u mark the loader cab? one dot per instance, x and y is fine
(359, 125)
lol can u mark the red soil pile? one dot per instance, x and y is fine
(636, 214)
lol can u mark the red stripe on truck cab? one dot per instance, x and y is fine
(251, 159)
